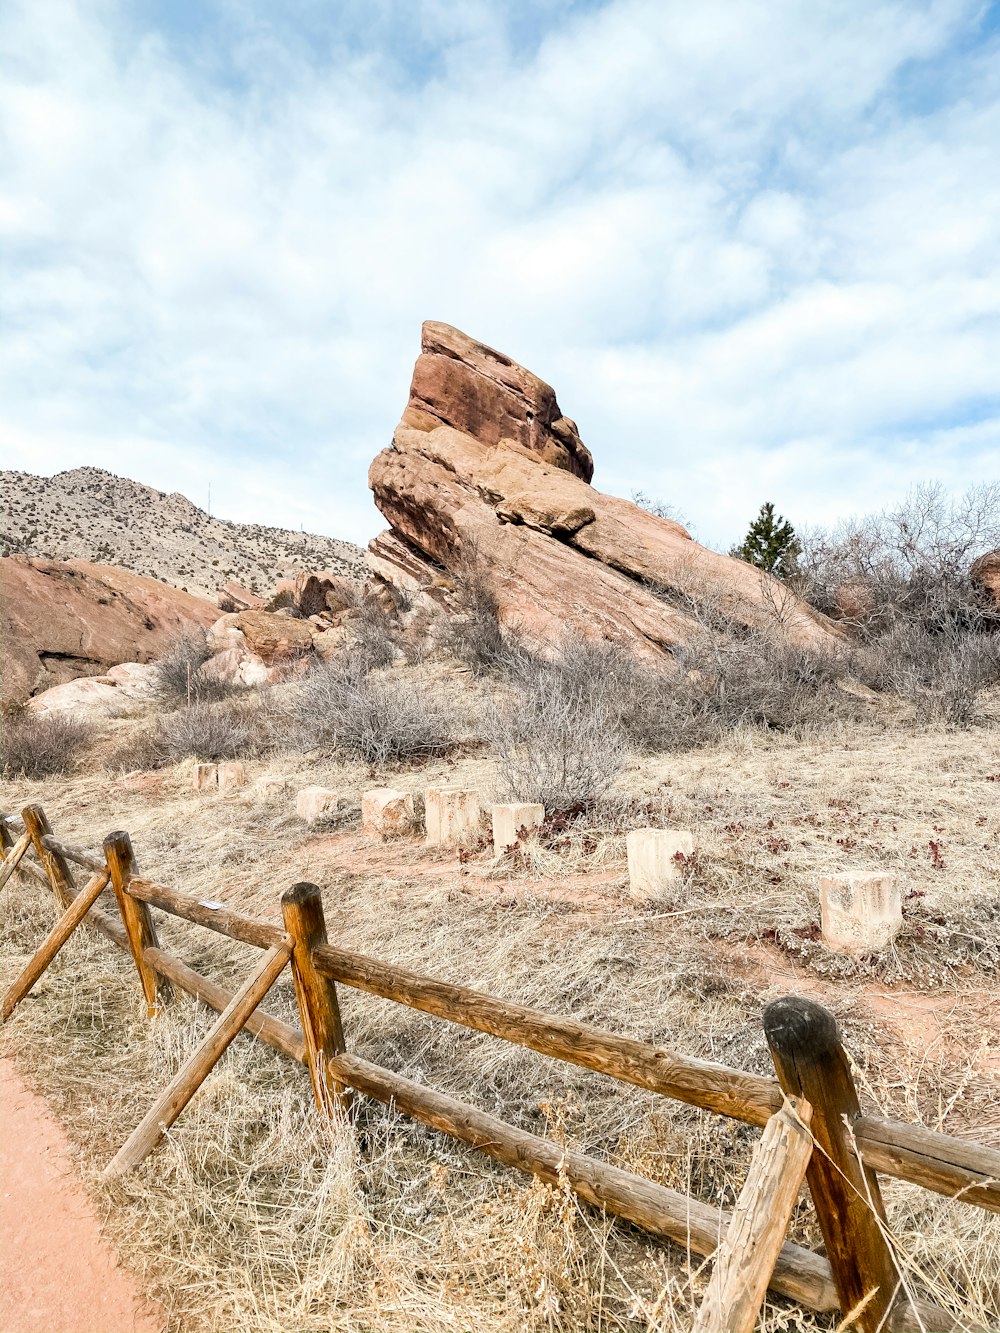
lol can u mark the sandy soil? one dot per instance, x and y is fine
(57, 1273)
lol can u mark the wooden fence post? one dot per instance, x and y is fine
(55, 864)
(812, 1064)
(137, 918)
(744, 1261)
(302, 910)
(13, 853)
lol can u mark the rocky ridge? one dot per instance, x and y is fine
(93, 515)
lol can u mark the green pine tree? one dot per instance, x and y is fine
(770, 543)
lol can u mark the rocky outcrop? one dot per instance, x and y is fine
(985, 576)
(503, 494)
(258, 647)
(61, 620)
(465, 384)
(234, 597)
(107, 694)
(318, 594)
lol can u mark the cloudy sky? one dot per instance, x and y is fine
(754, 244)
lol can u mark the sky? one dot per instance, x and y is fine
(753, 244)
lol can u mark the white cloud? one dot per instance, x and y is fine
(754, 257)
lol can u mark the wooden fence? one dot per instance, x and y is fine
(810, 1114)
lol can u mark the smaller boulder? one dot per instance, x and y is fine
(271, 785)
(274, 638)
(985, 576)
(90, 695)
(234, 597)
(205, 777)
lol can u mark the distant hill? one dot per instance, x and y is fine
(90, 514)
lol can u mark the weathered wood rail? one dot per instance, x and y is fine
(846, 1149)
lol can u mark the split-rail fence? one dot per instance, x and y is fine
(810, 1114)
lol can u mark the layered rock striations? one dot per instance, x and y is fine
(484, 469)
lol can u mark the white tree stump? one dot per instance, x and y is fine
(386, 812)
(204, 776)
(232, 775)
(313, 803)
(508, 820)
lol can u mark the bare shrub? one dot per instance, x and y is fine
(554, 736)
(34, 745)
(373, 636)
(943, 674)
(181, 676)
(143, 749)
(379, 719)
(763, 680)
(909, 563)
(206, 731)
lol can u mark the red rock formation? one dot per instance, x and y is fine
(63, 619)
(467, 478)
(463, 383)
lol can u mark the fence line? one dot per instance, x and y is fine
(810, 1061)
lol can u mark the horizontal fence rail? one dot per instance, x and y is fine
(939, 1162)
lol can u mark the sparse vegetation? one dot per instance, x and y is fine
(34, 745)
(181, 677)
(554, 737)
(345, 708)
(909, 564)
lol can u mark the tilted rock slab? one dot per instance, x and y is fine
(64, 619)
(503, 481)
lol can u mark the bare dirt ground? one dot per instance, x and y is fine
(57, 1272)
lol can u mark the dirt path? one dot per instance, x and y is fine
(57, 1273)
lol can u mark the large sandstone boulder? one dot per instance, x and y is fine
(460, 489)
(259, 647)
(99, 695)
(64, 619)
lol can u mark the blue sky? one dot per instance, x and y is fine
(754, 244)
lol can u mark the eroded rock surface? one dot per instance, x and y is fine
(64, 619)
(472, 477)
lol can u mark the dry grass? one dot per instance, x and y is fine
(256, 1216)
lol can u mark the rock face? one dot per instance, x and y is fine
(465, 384)
(484, 469)
(99, 694)
(60, 620)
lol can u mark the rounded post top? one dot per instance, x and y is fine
(303, 892)
(118, 839)
(802, 1027)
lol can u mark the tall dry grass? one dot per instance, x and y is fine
(256, 1216)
